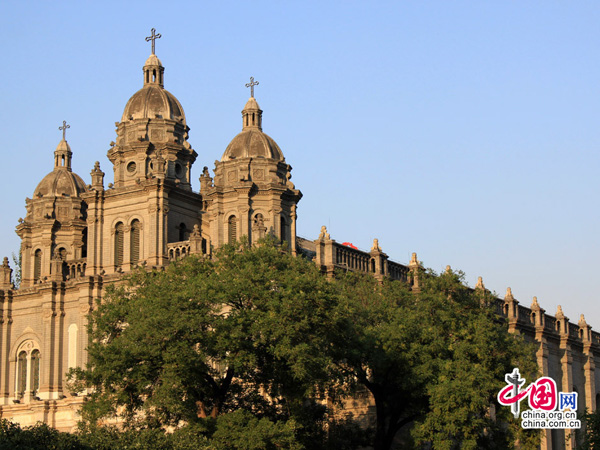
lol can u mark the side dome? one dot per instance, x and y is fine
(252, 142)
(60, 183)
(151, 102)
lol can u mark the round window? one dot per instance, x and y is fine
(131, 167)
(178, 170)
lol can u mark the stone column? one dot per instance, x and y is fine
(293, 217)
(48, 360)
(566, 364)
(542, 360)
(414, 267)
(589, 367)
(512, 311)
(5, 343)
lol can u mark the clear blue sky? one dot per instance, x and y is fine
(465, 131)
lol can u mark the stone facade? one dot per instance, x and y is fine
(77, 238)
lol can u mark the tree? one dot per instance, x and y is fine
(17, 271)
(434, 359)
(591, 434)
(246, 328)
(257, 330)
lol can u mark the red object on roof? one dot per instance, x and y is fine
(350, 244)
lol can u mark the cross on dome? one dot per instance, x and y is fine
(153, 37)
(251, 86)
(64, 129)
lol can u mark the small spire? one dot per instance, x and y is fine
(5, 264)
(582, 322)
(97, 177)
(559, 313)
(535, 304)
(414, 262)
(154, 72)
(509, 295)
(375, 247)
(252, 115)
(480, 284)
(324, 235)
(63, 154)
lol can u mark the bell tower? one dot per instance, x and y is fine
(54, 231)
(252, 194)
(151, 199)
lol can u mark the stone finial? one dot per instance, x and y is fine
(559, 313)
(509, 295)
(448, 269)
(375, 247)
(535, 304)
(582, 322)
(97, 177)
(5, 275)
(480, 284)
(414, 262)
(196, 231)
(324, 235)
(205, 180)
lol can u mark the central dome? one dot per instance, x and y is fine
(152, 102)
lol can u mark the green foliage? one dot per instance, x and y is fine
(37, 437)
(434, 359)
(238, 347)
(591, 435)
(241, 430)
(207, 336)
(17, 269)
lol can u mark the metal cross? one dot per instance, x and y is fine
(251, 86)
(64, 128)
(153, 38)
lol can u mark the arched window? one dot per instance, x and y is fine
(119, 231)
(182, 232)
(72, 349)
(84, 239)
(283, 225)
(134, 242)
(35, 370)
(27, 379)
(37, 265)
(231, 230)
(62, 254)
(22, 373)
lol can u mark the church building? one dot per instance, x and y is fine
(79, 236)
